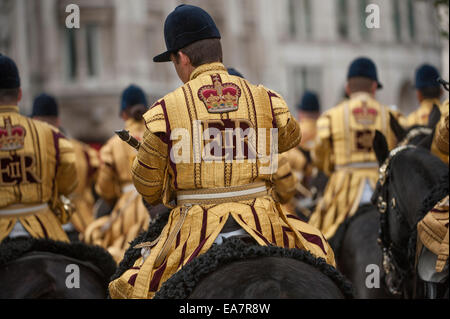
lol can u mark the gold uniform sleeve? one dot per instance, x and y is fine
(107, 184)
(321, 154)
(289, 133)
(284, 180)
(149, 168)
(66, 174)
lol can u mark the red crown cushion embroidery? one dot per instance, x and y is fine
(220, 97)
(365, 115)
(11, 137)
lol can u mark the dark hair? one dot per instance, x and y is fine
(432, 92)
(9, 95)
(203, 51)
(360, 84)
(136, 111)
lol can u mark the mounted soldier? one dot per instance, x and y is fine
(45, 109)
(114, 183)
(37, 167)
(219, 194)
(343, 148)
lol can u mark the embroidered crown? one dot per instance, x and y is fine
(220, 97)
(11, 137)
(365, 115)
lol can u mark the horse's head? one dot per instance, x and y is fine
(420, 135)
(405, 175)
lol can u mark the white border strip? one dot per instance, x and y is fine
(223, 195)
(22, 210)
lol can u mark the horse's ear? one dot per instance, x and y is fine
(426, 141)
(380, 147)
(307, 154)
(434, 117)
(399, 131)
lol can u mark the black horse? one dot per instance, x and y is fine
(358, 255)
(407, 174)
(236, 269)
(46, 269)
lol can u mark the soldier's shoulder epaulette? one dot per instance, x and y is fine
(46, 127)
(334, 111)
(268, 91)
(323, 124)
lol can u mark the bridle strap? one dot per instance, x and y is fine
(390, 264)
(414, 133)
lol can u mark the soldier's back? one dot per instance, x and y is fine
(37, 165)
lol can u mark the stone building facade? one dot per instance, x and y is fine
(287, 45)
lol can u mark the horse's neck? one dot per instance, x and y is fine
(410, 191)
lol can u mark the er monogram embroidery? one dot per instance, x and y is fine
(18, 169)
(363, 140)
(220, 97)
(12, 137)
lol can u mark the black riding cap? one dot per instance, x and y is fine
(364, 67)
(45, 105)
(9, 74)
(185, 25)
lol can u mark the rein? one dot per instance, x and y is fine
(395, 273)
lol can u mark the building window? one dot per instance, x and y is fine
(72, 61)
(300, 19)
(92, 49)
(342, 19)
(411, 22)
(304, 78)
(363, 31)
(307, 14)
(292, 18)
(88, 52)
(396, 18)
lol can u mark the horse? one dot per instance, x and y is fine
(407, 174)
(33, 268)
(357, 252)
(240, 269)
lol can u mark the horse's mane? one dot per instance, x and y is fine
(11, 249)
(183, 282)
(338, 237)
(422, 163)
(435, 174)
(131, 255)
